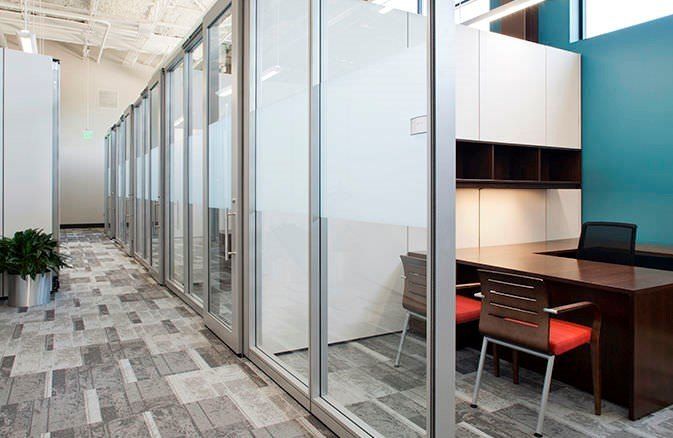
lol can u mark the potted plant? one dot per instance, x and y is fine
(28, 259)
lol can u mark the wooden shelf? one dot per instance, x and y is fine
(490, 165)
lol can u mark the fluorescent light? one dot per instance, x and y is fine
(224, 92)
(27, 40)
(502, 11)
(270, 72)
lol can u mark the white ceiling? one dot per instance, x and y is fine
(128, 31)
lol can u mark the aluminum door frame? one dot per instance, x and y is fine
(231, 334)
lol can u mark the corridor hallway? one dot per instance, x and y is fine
(116, 355)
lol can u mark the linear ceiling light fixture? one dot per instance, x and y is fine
(27, 39)
(502, 11)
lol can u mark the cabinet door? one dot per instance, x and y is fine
(563, 99)
(512, 90)
(467, 83)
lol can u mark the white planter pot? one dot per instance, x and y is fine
(28, 292)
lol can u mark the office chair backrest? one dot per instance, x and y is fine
(415, 285)
(609, 242)
(512, 309)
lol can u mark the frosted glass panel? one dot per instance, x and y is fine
(281, 161)
(176, 170)
(221, 171)
(373, 209)
(195, 166)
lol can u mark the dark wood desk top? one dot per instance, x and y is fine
(527, 259)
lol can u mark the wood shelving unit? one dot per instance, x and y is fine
(488, 165)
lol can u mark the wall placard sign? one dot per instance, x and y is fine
(419, 125)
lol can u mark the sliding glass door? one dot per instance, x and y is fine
(223, 176)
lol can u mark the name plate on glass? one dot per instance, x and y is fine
(419, 125)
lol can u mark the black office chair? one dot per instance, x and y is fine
(609, 242)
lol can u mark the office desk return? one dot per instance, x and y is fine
(636, 303)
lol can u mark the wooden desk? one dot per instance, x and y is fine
(637, 308)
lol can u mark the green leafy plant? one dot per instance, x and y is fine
(30, 253)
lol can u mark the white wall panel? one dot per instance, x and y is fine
(564, 214)
(467, 83)
(28, 156)
(512, 216)
(512, 90)
(564, 96)
(467, 218)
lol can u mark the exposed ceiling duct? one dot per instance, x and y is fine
(143, 31)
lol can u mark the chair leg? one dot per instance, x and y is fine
(596, 375)
(545, 396)
(480, 370)
(515, 367)
(496, 360)
(402, 338)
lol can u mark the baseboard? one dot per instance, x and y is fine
(70, 226)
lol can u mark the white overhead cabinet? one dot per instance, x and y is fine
(517, 92)
(467, 83)
(512, 90)
(564, 97)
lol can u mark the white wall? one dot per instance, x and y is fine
(82, 161)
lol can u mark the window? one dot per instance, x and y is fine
(603, 16)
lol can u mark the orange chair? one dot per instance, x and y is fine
(515, 313)
(414, 299)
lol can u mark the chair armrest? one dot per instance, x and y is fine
(570, 307)
(597, 322)
(467, 286)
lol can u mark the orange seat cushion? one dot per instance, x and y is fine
(565, 336)
(467, 309)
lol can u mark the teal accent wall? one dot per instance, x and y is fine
(627, 121)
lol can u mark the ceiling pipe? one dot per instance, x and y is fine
(68, 16)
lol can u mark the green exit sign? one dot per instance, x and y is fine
(87, 135)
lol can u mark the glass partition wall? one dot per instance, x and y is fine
(175, 153)
(371, 216)
(297, 184)
(107, 185)
(339, 195)
(195, 169)
(139, 170)
(128, 183)
(155, 185)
